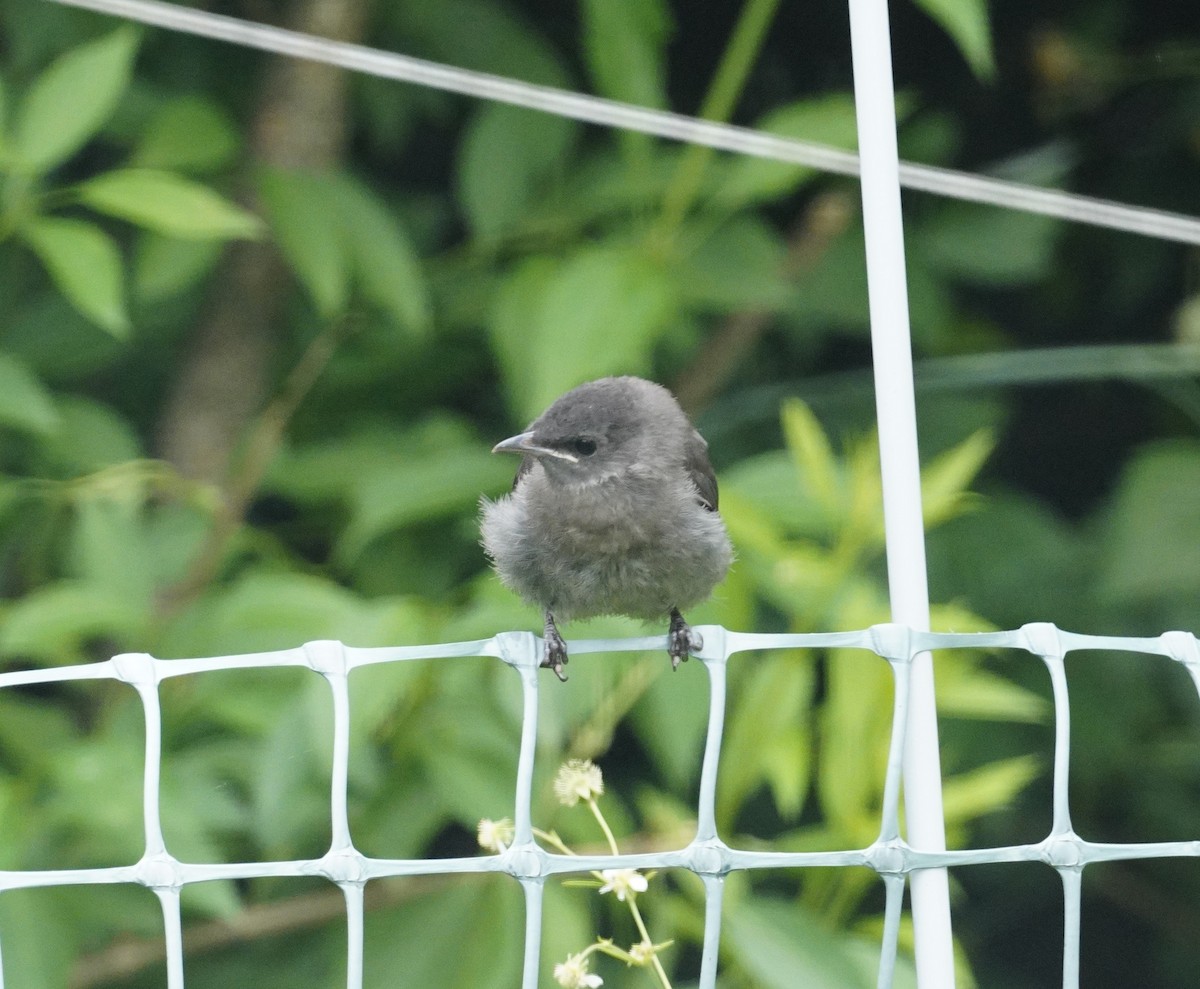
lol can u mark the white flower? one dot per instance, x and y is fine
(642, 952)
(623, 882)
(576, 780)
(495, 836)
(574, 974)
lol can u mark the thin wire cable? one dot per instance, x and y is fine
(673, 126)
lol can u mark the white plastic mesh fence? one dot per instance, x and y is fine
(707, 854)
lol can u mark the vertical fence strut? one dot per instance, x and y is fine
(875, 102)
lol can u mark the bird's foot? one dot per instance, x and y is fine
(681, 640)
(555, 657)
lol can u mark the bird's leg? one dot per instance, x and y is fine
(681, 640)
(555, 657)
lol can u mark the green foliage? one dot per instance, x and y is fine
(457, 267)
(336, 236)
(63, 109)
(70, 102)
(85, 264)
(967, 22)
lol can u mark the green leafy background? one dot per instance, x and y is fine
(263, 321)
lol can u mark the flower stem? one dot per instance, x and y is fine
(641, 926)
(612, 842)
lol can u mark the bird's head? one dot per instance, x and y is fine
(599, 430)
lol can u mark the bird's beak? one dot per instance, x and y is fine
(524, 443)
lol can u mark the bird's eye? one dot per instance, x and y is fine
(584, 447)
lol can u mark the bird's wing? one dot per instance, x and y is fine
(700, 471)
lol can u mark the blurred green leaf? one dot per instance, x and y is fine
(482, 35)
(190, 133)
(598, 312)
(24, 402)
(386, 266)
(855, 731)
(58, 342)
(506, 158)
(966, 21)
(31, 919)
(738, 266)
(3, 120)
(624, 42)
(290, 799)
(812, 456)
(164, 266)
(989, 246)
(769, 738)
(280, 610)
(168, 204)
(304, 218)
(1150, 529)
(826, 119)
(69, 102)
(680, 701)
(52, 624)
(944, 481)
(90, 436)
(968, 796)
(443, 482)
(86, 266)
(424, 939)
(780, 945)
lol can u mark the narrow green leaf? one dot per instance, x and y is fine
(855, 731)
(385, 263)
(24, 401)
(71, 100)
(86, 266)
(944, 481)
(967, 796)
(191, 134)
(168, 204)
(966, 21)
(769, 738)
(304, 217)
(812, 455)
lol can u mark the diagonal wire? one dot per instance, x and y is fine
(674, 126)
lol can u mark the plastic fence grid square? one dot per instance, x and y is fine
(707, 855)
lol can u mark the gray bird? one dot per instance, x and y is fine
(613, 512)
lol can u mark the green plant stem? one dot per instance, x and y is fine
(612, 842)
(659, 971)
(641, 926)
(727, 84)
(550, 838)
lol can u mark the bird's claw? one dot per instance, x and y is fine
(555, 657)
(682, 642)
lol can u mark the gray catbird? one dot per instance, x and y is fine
(613, 512)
